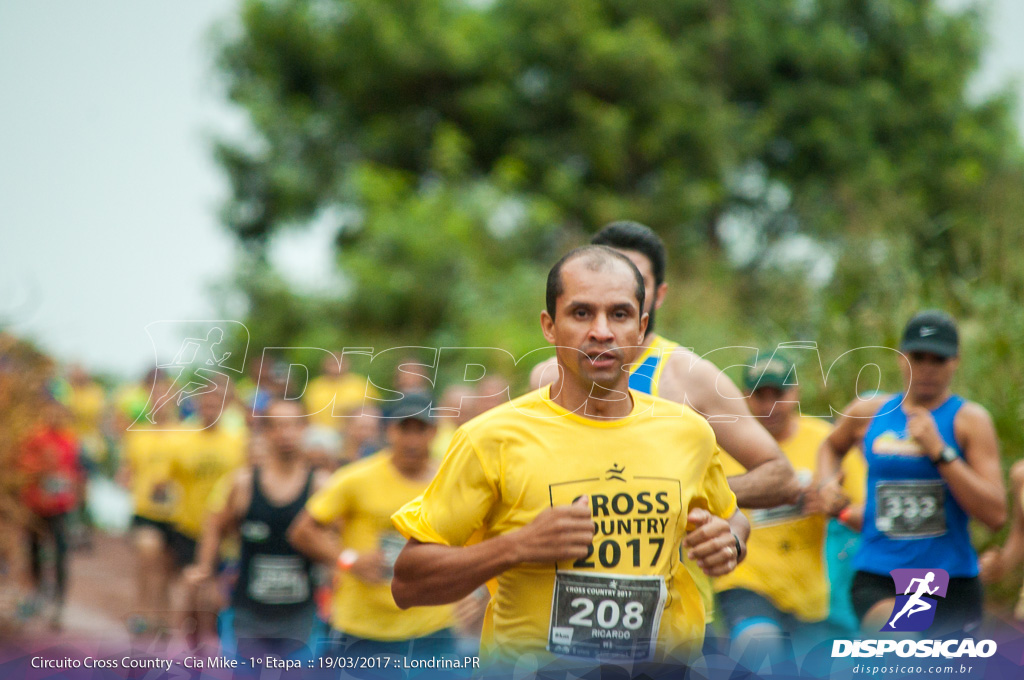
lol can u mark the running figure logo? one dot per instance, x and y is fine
(914, 610)
(191, 355)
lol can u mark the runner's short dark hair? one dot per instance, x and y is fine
(628, 235)
(599, 254)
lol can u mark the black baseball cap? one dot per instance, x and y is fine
(931, 331)
(413, 407)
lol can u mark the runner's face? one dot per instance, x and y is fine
(928, 376)
(210, 405)
(362, 428)
(285, 428)
(773, 407)
(410, 440)
(598, 326)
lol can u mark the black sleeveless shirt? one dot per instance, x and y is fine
(273, 578)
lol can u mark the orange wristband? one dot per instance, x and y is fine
(844, 514)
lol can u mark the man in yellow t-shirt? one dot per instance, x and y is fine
(203, 457)
(782, 586)
(565, 501)
(336, 392)
(150, 449)
(360, 499)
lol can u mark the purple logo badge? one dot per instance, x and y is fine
(916, 590)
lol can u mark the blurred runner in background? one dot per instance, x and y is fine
(337, 391)
(781, 588)
(205, 456)
(149, 451)
(933, 463)
(50, 464)
(271, 604)
(360, 433)
(359, 500)
(996, 563)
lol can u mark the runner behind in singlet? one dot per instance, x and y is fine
(272, 610)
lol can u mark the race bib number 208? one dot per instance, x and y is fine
(606, 616)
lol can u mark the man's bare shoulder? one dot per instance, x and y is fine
(691, 379)
(683, 368)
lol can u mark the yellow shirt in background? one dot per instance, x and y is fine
(363, 496)
(150, 454)
(203, 457)
(785, 560)
(643, 473)
(443, 439)
(86, 405)
(345, 392)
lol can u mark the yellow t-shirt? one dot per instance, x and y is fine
(86, 405)
(150, 454)
(344, 393)
(785, 561)
(203, 457)
(507, 465)
(363, 496)
(647, 371)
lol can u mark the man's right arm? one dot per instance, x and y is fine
(432, 574)
(313, 540)
(769, 480)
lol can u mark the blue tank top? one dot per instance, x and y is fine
(911, 519)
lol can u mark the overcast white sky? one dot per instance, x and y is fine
(108, 191)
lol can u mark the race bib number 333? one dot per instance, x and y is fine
(606, 616)
(910, 509)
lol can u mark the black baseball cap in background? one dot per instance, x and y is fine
(931, 331)
(413, 406)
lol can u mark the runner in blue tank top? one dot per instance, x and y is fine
(933, 462)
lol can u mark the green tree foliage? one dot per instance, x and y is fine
(461, 146)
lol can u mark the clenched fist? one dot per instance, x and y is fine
(556, 534)
(710, 543)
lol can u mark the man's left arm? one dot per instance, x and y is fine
(769, 480)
